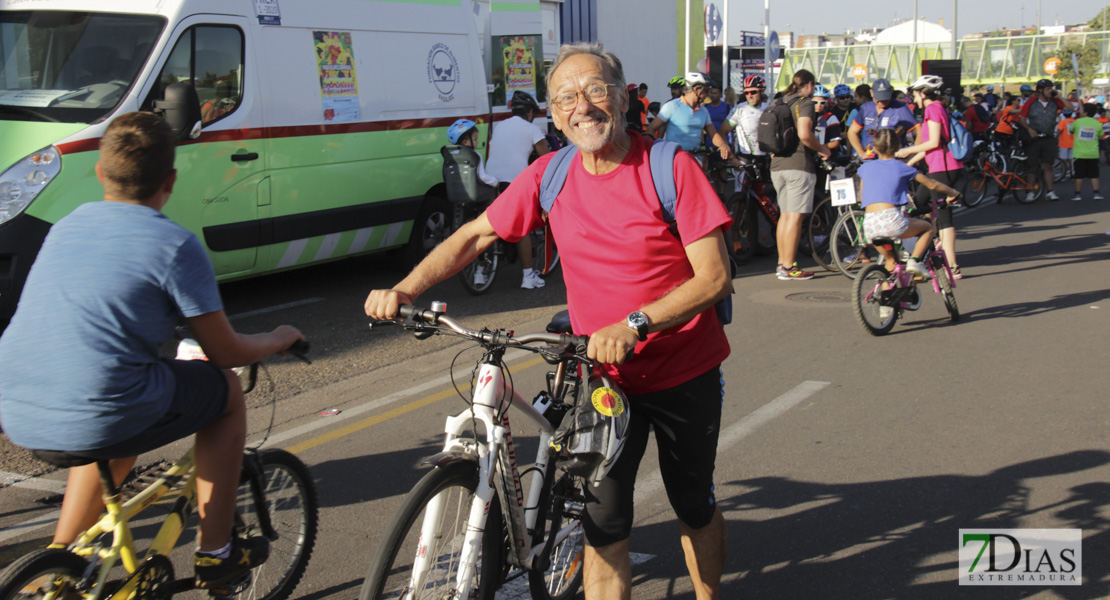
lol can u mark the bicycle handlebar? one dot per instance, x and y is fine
(575, 344)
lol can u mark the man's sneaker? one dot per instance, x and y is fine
(480, 277)
(532, 281)
(1077, 198)
(1029, 196)
(793, 273)
(214, 573)
(917, 268)
(1097, 196)
(1052, 196)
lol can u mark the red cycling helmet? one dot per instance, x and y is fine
(754, 82)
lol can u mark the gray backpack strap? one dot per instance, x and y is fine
(661, 161)
(555, 175)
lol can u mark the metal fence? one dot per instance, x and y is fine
(996, 60)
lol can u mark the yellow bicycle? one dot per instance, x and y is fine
(277, 499)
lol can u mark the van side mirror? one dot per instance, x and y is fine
(180, 107)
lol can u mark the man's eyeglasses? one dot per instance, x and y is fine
(595, 93)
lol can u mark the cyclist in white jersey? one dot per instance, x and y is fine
(744, 119)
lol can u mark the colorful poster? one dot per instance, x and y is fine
(335, 59)
(519, 54)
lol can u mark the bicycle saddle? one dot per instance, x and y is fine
(62, 459)
(882, 241)
(560, 323)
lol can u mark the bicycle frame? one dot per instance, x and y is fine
(497, 468)
(119, 515)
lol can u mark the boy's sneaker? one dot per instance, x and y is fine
(793, 273)
(1052, 196)
(1077, 198)
(213, 573)
(885, 312)
(917, 268)
(1097, 196)
(532, 281)
(480, 277)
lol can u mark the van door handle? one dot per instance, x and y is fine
(244, 157)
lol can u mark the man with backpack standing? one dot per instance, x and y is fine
(786, 130)
(1038, 117)
(644, 295)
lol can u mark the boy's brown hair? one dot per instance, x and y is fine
(136, 155)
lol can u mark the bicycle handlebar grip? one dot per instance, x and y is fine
(405, 310)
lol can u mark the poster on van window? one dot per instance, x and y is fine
(519, 67)
(335, 61)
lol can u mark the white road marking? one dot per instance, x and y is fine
(33, 483)
(262, 311)
(647, 486)
(49, 519)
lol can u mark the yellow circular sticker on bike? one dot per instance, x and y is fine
(607, 402)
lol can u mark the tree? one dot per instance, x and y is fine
(1100, 21)
(1088, 62)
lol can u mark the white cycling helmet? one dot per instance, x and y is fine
(696, 78)
(927, 82)
(592, 435)
(990, 88)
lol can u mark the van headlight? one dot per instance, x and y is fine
(25, 180)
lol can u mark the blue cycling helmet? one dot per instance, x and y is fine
(1025, 87)
(842, 90)
(820, 91)
(458, 129)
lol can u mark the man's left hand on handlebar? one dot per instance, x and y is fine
(383, 304)
(612, 345)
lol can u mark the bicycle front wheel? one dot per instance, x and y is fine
(867, 295)
(821, 222)
(848, 247)
(52, 573)
(941, 273)
(289, 496)
(391, 573)
(740, 238)
(976, 188)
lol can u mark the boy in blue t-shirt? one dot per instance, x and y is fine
(82, 372)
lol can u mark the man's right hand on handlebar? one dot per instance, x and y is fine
(384, 304)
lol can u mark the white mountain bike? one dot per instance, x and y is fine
(471, 524)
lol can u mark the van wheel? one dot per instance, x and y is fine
(432, 226)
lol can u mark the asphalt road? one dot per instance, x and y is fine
(847, 463)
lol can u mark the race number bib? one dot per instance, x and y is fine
(843, 192)
(1086, 134)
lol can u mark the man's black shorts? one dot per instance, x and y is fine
(687, 421)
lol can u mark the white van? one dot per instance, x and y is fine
(320, 121)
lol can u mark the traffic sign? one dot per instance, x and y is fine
(1052, 65)
(859, 71)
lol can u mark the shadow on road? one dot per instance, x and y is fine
(879, 539)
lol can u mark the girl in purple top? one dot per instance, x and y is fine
(885, 182)
(933, 147)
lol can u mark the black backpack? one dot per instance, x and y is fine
(777, 132)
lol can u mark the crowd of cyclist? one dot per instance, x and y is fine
(1037, 124)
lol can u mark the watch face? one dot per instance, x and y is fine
(637, 319)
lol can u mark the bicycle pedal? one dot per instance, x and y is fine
(231, 588)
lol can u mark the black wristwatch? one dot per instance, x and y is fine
(638, 322)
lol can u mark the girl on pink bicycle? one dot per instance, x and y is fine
(886, 183)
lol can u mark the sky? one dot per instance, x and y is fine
(836, 16)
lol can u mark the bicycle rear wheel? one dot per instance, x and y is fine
(1032, 173)
(867, 293)
(765, 234)
(848, 246)
(49, 572)
(477, 277)
(289, 496)
(821, 222)
(740, 238)
(562, 580)
(390, 574)
(539, 252)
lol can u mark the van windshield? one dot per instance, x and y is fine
(70, 67)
